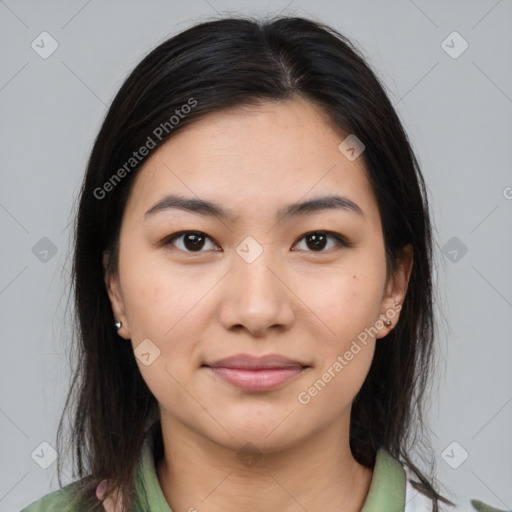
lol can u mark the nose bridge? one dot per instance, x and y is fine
(256, 297)
(253, 264)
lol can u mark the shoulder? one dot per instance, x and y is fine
(61, 500)
(65, 499)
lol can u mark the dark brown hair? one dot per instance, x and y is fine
(236, 62)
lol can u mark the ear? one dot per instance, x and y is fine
(116, 298)
(396, 289)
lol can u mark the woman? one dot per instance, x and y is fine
(253, 284)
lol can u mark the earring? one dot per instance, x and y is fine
(387, 323)
(118, 325)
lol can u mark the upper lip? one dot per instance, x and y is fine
(250, 362)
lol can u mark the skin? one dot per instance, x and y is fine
(305, 303)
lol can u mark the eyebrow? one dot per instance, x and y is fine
(211, 209)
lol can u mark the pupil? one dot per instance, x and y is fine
(318, 240)
(197, 241)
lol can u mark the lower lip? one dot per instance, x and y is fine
(256, 380)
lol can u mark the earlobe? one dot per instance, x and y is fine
(116, 300)
(396, 290)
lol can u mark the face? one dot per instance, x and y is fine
(310, 285)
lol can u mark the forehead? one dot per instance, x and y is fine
(254, 157)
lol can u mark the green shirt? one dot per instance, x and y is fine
(390, 489)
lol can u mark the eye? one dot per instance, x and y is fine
(318, 240)
(193, 241)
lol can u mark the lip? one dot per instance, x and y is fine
(253, 373)
(250, 362)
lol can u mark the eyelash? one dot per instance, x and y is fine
(342, 241)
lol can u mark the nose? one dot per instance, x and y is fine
(256, 296)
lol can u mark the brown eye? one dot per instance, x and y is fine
(191, 241)
(316, 241)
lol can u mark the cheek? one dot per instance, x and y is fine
(347, 303)
(344, 347)
(175, 325)
(157, 296)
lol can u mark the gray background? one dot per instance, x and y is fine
(458, 114)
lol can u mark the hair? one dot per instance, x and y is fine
(237, 62)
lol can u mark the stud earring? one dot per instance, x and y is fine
(387, 323)
(118, 325)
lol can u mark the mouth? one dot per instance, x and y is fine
(251, 373)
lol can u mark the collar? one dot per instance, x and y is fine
(387, 488)
(386, 493)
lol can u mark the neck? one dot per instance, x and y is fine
(319, 473)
